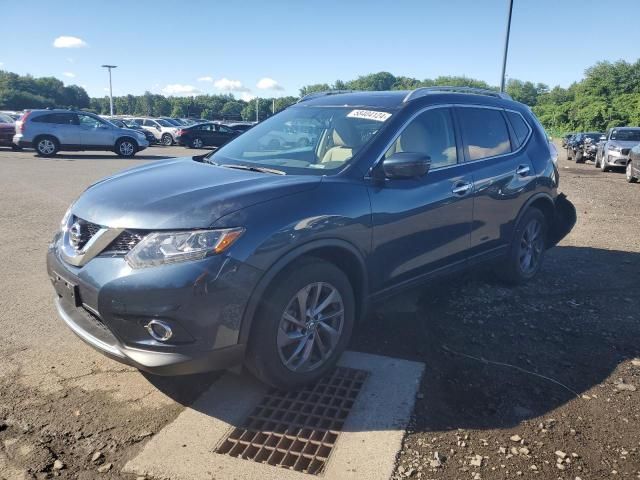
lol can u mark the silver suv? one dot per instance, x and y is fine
(49, 131)
(164, 131)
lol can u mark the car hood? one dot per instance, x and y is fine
(181, 193)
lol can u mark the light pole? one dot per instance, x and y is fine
(109, 67)
(506, 47)
(257, 109)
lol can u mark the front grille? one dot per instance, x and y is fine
(124, 242)
(87, 231)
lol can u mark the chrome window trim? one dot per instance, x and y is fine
(464, 161)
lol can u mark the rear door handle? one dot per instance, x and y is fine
(523, 170)
(461, 188)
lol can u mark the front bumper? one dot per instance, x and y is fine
(616, 159)
(203, 302)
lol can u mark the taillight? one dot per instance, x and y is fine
(181, 132)
(20, 124)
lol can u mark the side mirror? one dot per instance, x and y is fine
(406, 165)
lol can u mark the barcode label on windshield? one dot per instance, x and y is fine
(369, 115)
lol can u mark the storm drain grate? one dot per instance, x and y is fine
(297, 430)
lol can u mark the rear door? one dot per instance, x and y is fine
(64, 126)
(502, 174)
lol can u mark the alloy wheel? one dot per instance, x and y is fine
(126, 149)
(197, 143)
(531, 247)
(46, 147)
(310, 327)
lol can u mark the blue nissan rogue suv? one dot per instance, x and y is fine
(268, 253)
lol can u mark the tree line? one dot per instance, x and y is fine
(607, 96)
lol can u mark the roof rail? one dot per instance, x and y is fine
(421, 92)
(323, 94)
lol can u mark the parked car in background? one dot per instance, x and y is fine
(583, 146)
(164, 131)
(7, 131)
(12, 114)
(565, 139)
(50, 131)
(240, 126)
(614, 150)
(633, 165)
(271, 258)
(126, 123)
(205, 135)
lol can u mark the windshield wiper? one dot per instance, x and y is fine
(252, 168)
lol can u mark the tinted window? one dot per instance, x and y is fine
(520, 127)
(430, 133)
(484, 132)
(57, 118)
(149, 123)
(89, 121)
(626, 135)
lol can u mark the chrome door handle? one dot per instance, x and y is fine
(461, 188)
(523, 170)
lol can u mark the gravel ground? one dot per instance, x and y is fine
(539, 381)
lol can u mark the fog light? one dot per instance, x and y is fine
(159, 330)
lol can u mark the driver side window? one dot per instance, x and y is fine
(87, 121)
(430, 133)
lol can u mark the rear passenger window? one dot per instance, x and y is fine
(484, 132)
(57, 118)
(520, 127)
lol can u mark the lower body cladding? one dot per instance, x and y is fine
(168, 320)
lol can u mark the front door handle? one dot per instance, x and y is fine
(461, 188)
(523, 170)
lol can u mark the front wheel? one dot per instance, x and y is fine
(527, 249)
(303, 325)
(603, 164)
(167, 140)
(630, 177)
(126, 148)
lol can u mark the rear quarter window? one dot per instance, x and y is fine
(520, 127)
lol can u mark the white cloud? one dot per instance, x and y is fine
(69, 74)
(1, 64)
(230, 85)
(267, 83)
(205, 79)
(179, 89)
(69, 42)
(247, 96)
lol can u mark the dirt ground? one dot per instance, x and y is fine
(539, 381)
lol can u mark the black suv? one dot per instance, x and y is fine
(583, 146)
(269, 254)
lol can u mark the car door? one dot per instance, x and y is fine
(65, 128)
(224, 134)
(152, 127)
(422, 225)
(206, 132)
(502, 174)
(94, 132)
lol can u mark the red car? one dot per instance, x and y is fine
(7, 131)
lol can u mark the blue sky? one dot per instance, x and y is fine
(184, 47)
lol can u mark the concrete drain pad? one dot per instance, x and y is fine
(349, 425)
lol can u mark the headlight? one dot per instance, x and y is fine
(161, 248)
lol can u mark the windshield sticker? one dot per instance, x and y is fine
(369, 115)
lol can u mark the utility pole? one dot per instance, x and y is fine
(506, 47)
(109, 67)
(257, 109)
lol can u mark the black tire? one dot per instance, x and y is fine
(579, 157)
(603, 165)
(126, 147)
(167, 140)
(511, 270)
(46, 146)
(264, 357)
(16, 148)
(196, 143)
(569, 154)
(629, 173)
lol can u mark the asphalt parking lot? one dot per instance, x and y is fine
(540, 381)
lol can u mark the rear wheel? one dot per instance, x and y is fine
(303, 325)
(167, 140)
(527, 249)
(630, 177)
(126, 147)
(579, 157)
(197, 143)
(47, 146)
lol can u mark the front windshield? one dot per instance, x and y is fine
(164, 123)
(626, 135)
(594, 136)
(305, 139)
